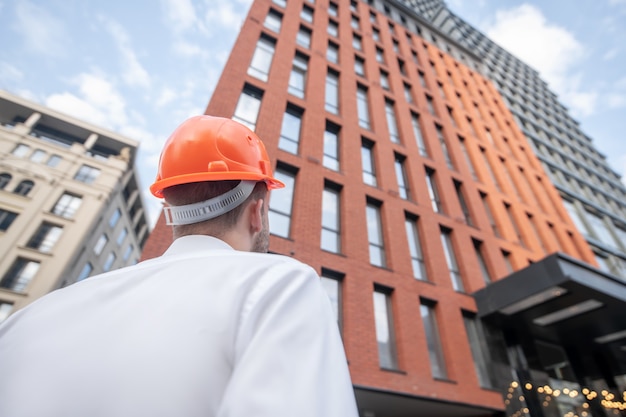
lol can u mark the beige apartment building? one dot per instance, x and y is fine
(70, 205)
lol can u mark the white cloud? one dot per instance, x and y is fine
(166, 96)
(180, 14)
(615, 100)
(610, 54)
(550, 49)
(43, 33)
(134, 73)
(98, 102)
(188, 49)
(225, 15)
(9, 74)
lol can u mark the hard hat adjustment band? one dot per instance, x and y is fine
(209, 209)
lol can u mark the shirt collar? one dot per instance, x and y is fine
(194, 243)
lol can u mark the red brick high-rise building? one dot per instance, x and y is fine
(461, 286)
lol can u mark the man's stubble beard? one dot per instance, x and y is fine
(262, 241)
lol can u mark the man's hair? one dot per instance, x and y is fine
(183, 194)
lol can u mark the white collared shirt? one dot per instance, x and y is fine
(203, 330)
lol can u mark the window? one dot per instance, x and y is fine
(331, 147)
(262, 58)
(357, 42)
(331, 283)
(333, 28)
(492, 221)
(5, 178)
(433, 191)
(67, 205)
(575, 216)
(85, 272)
(392, 125)
(5, 310)
(408, 96)
(494, 179)
(19, 275)
(402, 67)
(6, 218)
(506, 256)
(464, 207)
(273, 21)
(53, 161)
(367, 163)
(355, 23)
(533, 226)
(21, 150)
(332, 53)
(332, 92)
(387, 356)
(281, 203)
(431, 330)
(430, 105)
(290, 130)
(415, 248)
(297, 78)
(87, 174)
(518, 233)
(331, 219)
(24, 187)
(307, 14)
(248, 106)
(108, 263)
(38, 156)
(115, 217)
(453, 265)
(363, 107)
(480, 350)
(380, 55)
(600, 229)
(403, 184)
(45, 237)
(417, 132)
(281, 3)
(303, 38)
(478, 249)
(100, 244)
(121, 236)
(422, 79)
(359, 66)
(375, 234)
(444, 147)
(468, 159)
(127, 252)
(384, 79)
(376, 34)
(333, 9)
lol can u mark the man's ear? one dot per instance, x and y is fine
(256, 215)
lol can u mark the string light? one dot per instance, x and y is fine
(608, 399)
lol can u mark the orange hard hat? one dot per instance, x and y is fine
(207, 148)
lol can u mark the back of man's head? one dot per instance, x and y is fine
(196, 192)
(210, 169)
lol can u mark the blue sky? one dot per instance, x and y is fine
(141, 67)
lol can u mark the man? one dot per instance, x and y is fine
(210, 328)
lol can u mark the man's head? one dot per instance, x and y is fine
(215, 175)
